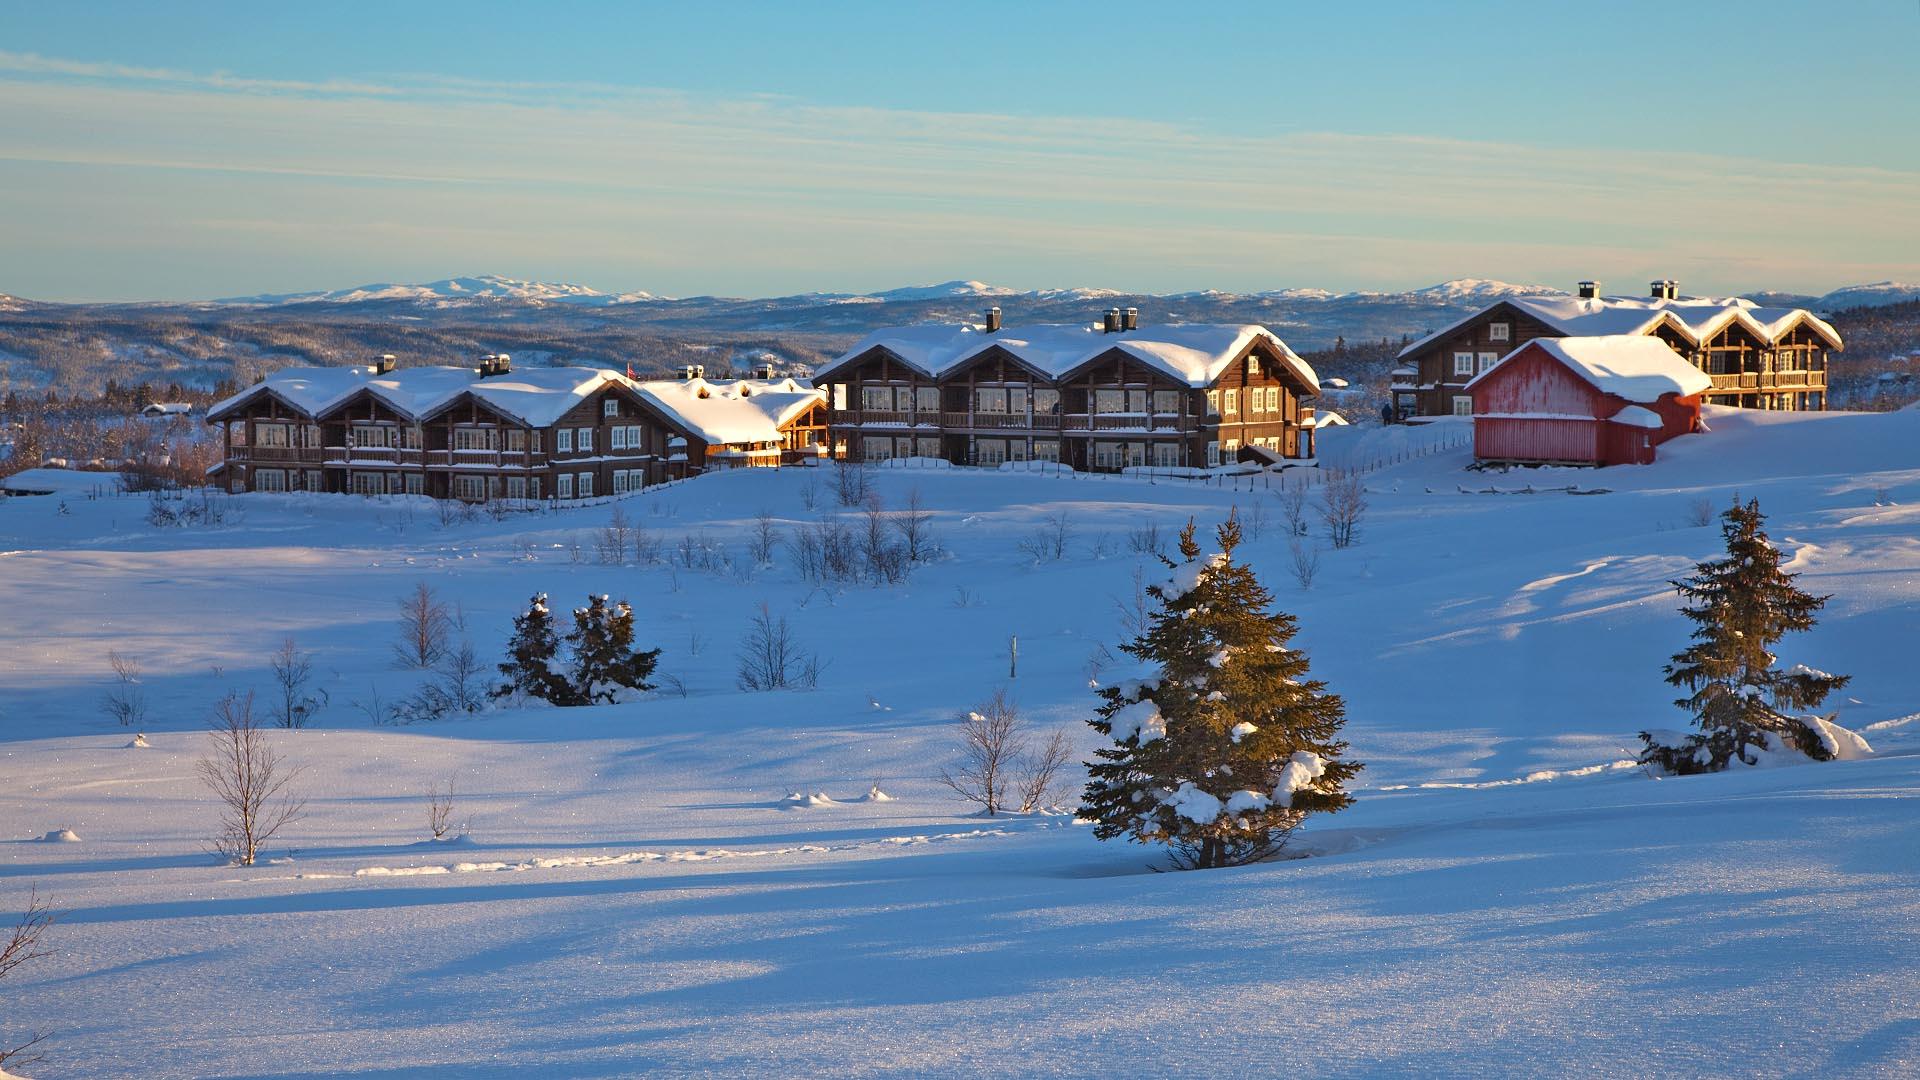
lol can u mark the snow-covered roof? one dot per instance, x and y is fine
(737, 411)
(1631, 366)
(168, 408)
(1327, 418)
(1635, 416)
(1697, 318)
(538, 397)
(1195, 353)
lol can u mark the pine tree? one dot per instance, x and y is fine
(604, 659)
(1227, 747)
(1740, 606)
(530, 657)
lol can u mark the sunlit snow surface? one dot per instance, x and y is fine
(637, 892)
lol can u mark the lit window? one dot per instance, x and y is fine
(1232, 402)
(1213, 403)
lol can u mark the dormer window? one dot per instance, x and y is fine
(1499, 331)
(1253, 365)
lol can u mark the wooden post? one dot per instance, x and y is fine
(1013, 656)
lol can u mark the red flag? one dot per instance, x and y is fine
(629, 369)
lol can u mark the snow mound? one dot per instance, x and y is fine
(874, 794)
(1843, 744)
(61, 836)
(799, 800)
(139, 742)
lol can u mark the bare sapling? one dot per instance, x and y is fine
(771, 657)
(424, 626)
(1306, 561)
(292, 670)
(1343, 500)
(250, 779)
(440, 809)
(914, 524)
(125, 701)
(1293, 507)
(995, 769)
(762, 539)
(22, 946)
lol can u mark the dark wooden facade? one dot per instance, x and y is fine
(1112, 412)
(1787, 373)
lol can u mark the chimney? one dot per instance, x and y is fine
(1673, 289)
(689, 372)
(769, 371)
(1131, 320)
(699, 371)
(495, 364)
(993, 320)
(1659, 288)
(1589, 290)
(1112, 323)
(384, 363)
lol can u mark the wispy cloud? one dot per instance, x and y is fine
(681, 191)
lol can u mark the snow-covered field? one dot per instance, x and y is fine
(636, 894)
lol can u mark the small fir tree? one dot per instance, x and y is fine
(529, 668)
(1227, 746)
(1740, 606)
(604, 659)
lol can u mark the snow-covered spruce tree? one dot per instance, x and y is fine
(604, 659)
(1225, 746)
(1740, 606)
(529, 667)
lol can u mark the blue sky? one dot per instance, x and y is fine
(180, 151)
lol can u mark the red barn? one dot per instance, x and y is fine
(1585, 401)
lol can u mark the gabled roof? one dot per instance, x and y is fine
(1695, 318)
(537, 397)
(739, 411)
(1632, 366)
(1195, 354)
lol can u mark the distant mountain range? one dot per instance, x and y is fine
(79, 346)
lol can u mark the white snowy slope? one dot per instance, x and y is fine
(1878, 294)
(639, 893)
(482, 287)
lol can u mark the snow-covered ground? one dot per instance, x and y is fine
(637, 893)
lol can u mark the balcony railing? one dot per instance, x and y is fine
(277, 453)
(1770, 380)
(377, 454)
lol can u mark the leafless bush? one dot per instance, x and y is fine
(1147, 540)
(646, 546)
(1306, 561)
(763, 539)
(885, 561)
(249, 778)
(696, 641)
(1255, 520)
(373, 707)
(995, 770)
(610, 545)
(1343, 501)
(964, 597)
(22, 946)
(672, 684)
(824, 552)
(703, 553)
(440, 810)
(771, 657)
(1293, 507)
(1049, 542)
(425, 623)
(914, 524)
(125, 701)
(1700, 513)
(458, 686)
(852, 482)
(1136, 607)
(810, 492)
(292, 670)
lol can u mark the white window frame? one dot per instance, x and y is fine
(583, 440)
(617, 438)
(1463, 404)
(1500, 331)
(1213, 403)
(274, 480)
(563, 485)
(516, 487)
(635, 441)
(584, 485)
(1487, 360)
(563, 441)
(1273, 400)
(1230, 403)
(1213, 454)
(1463, 363)
(610, 407)
(416, 483)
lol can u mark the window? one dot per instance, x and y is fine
(533, 487)
(470, 488)
(927, 399)
(1166, 402)
(1256, 401)
(1213, 454)
(617, 438)
(840, 396)
(1488, 359)
(270, 479)
(1462, 405)
(536, 442)
(563, 440)
(1213, 403)
(1046, 450)
(516, 487)
(369, 483)
(903, 399)
(1137, 402)
(1166, 455)
(416, 483)
(636, 438)
(1463, 363)
(610, 407)
(1107, 455)
(620, 481)
(583, 440)
(926, 447)
(472, 438)
(516, 440)
(877, 449)
(1273, 399)
(1499, 331)
(1230, 449)
(1253, 365)
(563, 485)
(1016, 449)
(585, 485)
(410, 438)
(989, 451)
(314, 482)
(1109, 401)
(1046, 401)
(270, 435)
(1232, 402)
(989, 399)
(876, 398)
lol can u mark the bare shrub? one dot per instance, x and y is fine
(1343, 501)
(458, 686)
(1700, 513)
(1306, 561)
(914, 524)
(646, 546)
(292, 670)
(964, 597)
(1255, 521)
(1293, 508)
(810, 492)
(1136, 607)
(995, 770)
(885, 561)
(1049, 542)
(825, 552)
(125, 701)
(440, 810)
(852, 482)
(249, 778)
(611, 543)
(425, 623)
(373, 707)
(763, 539)
(771, 657)
(1147, 540)
(22, 946)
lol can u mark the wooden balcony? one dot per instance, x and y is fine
(1769, 380)
(276, 453)
(377, 455)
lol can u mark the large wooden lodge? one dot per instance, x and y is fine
(491, 432)
(1756, 357)
(1101, 398)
